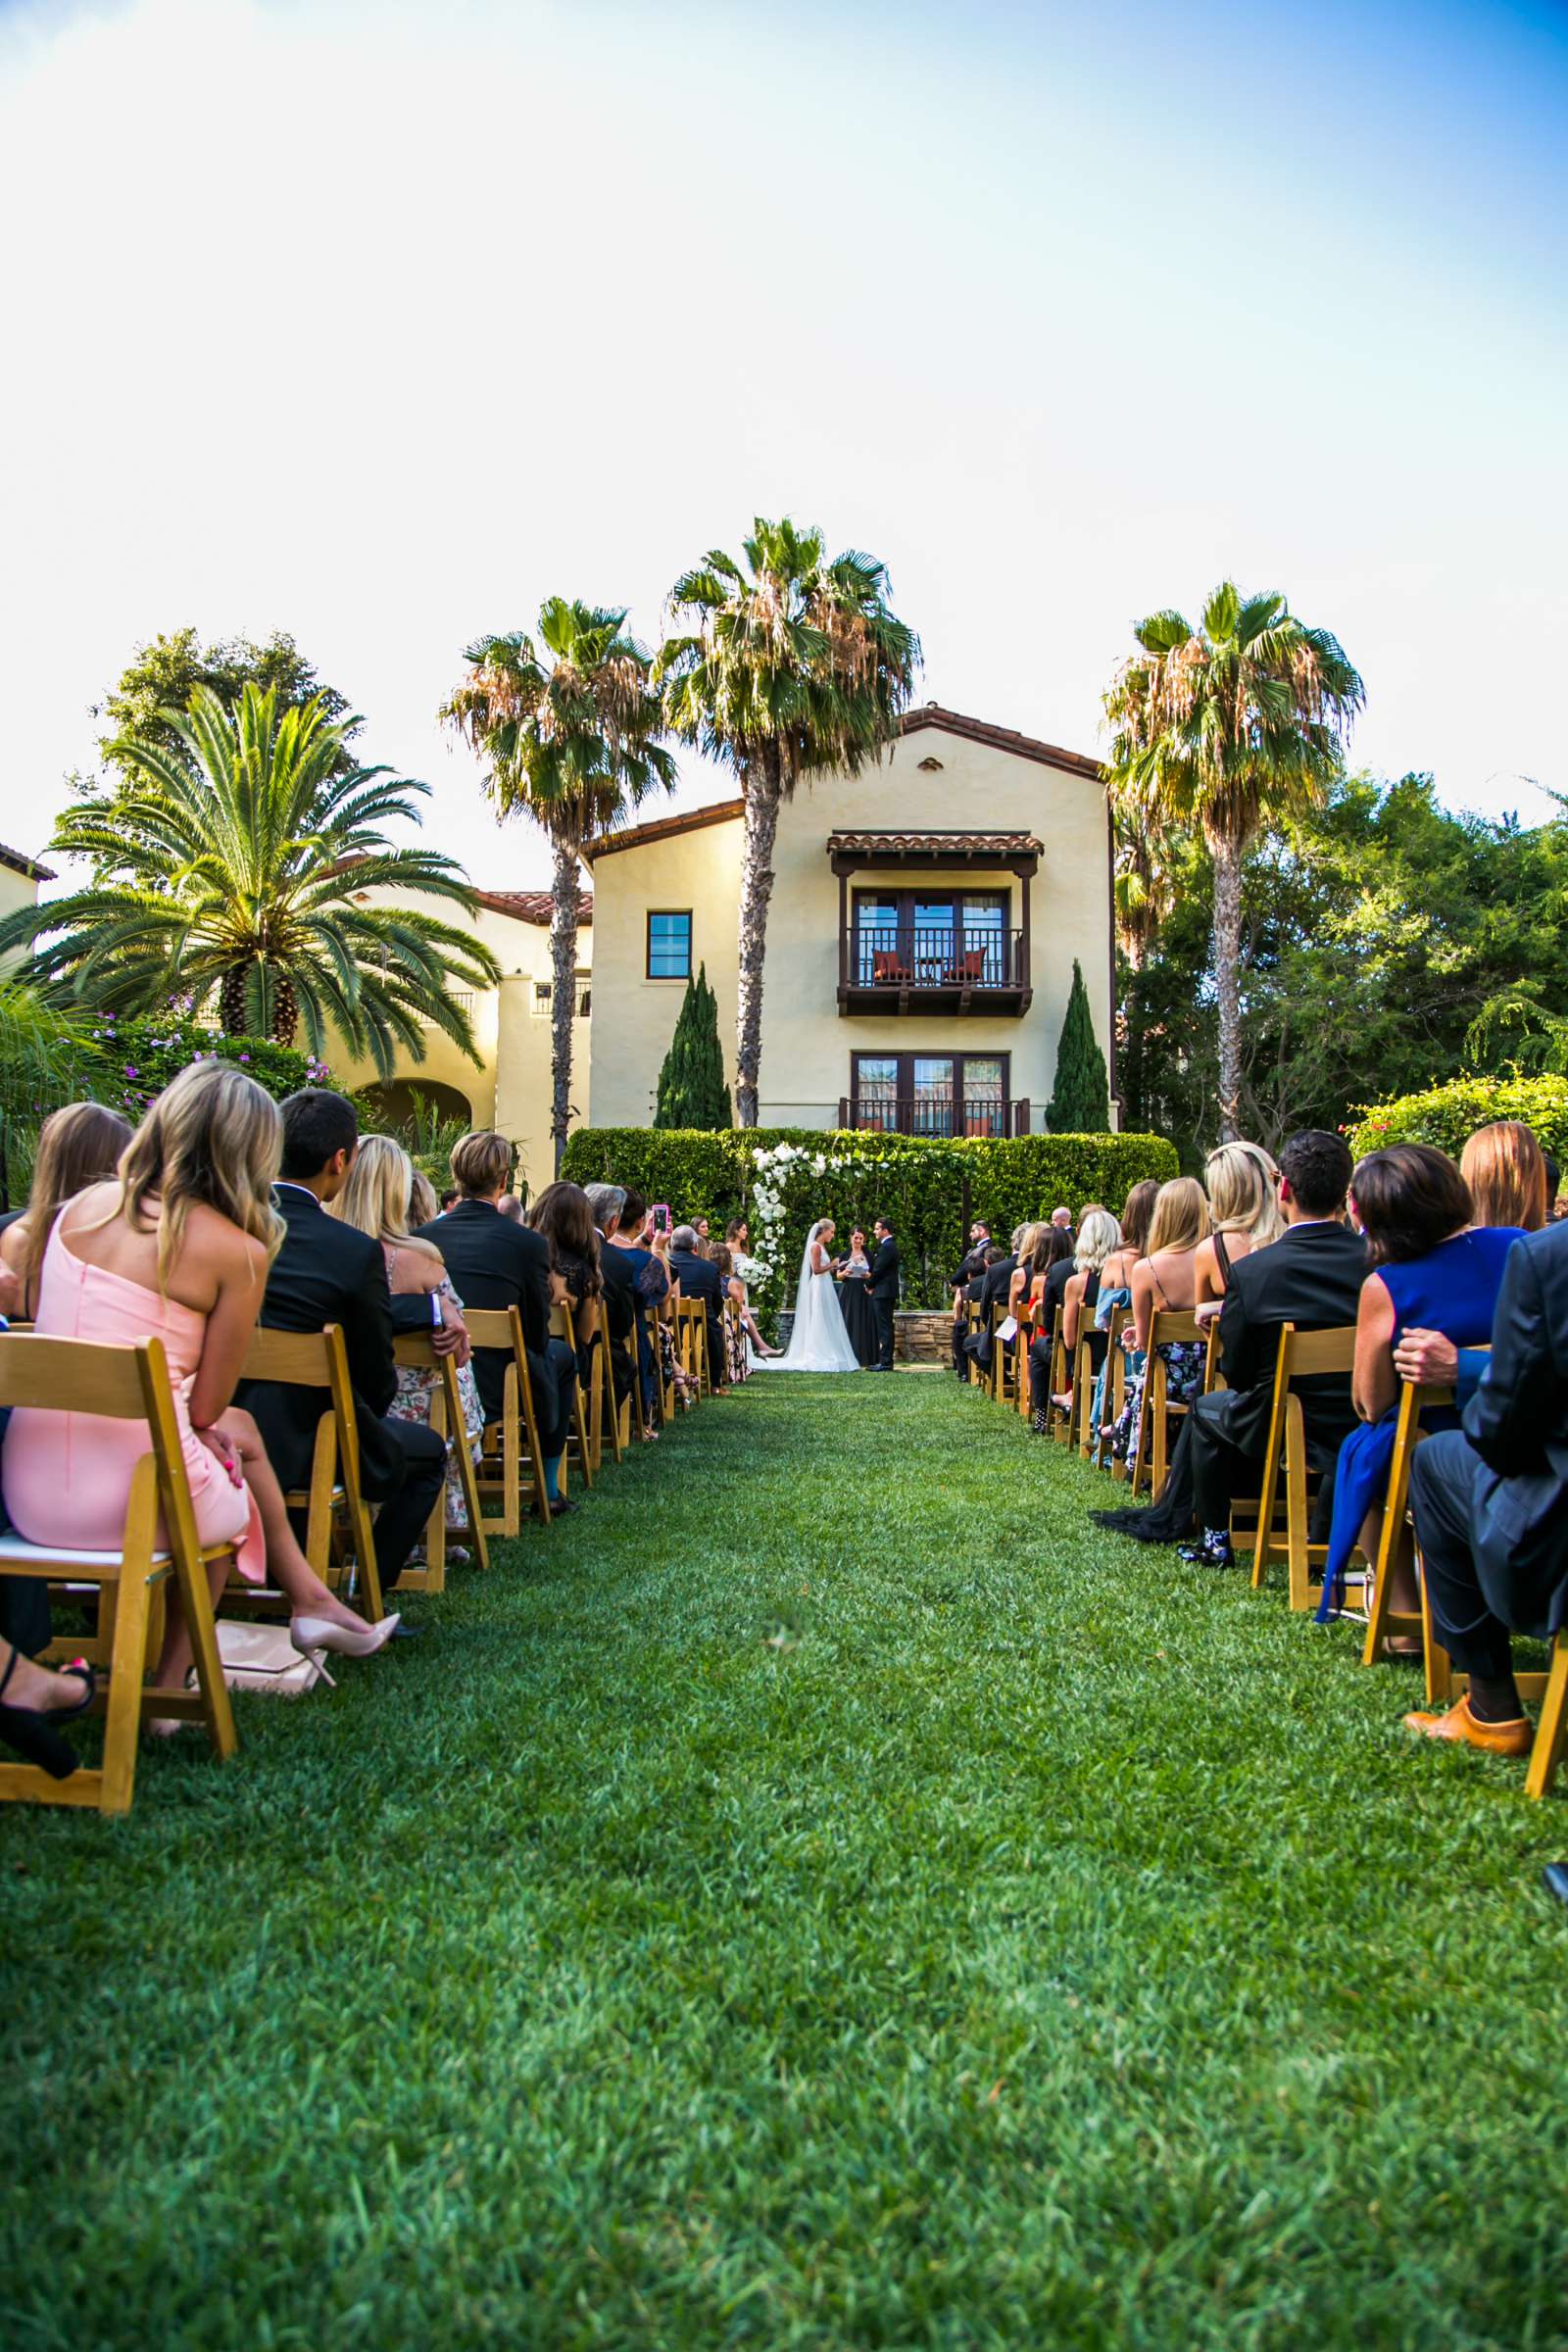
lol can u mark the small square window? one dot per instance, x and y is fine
(670, 946)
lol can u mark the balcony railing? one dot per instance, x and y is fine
(934, 1113)
(935, 967)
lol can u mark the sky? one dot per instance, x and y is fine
(381, 323)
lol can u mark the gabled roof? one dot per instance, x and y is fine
(533, 905)
(26, 866)
(664, 828)
(936, 845)
(1001, 739)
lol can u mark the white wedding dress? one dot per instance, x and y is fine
(818, 1341)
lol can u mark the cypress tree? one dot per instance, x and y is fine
(692, 1092)
(1081, 1103)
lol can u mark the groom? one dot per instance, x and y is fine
(882, 1289)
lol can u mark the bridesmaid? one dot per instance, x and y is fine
(177, 1248)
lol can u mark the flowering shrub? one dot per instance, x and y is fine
(782, 1178)
(142, 1055)
(1445, 1115)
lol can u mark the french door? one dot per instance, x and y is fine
(930, 1093)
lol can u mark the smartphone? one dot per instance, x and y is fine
(662, 1217)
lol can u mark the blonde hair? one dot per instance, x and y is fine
(1240, 1180)
(482, 1164)
(213, 1137)
(78, 1145)
(1181, 1216)
(1097, 1235)
(376, 1191)
(423, 1206)
(1506, 1172)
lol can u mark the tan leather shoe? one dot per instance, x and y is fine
(1514, 1738)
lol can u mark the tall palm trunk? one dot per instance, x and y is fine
(564, 919)
(764, 792)
(1227, 855)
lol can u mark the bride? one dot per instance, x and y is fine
(818, 1341)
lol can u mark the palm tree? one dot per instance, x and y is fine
(790, 668)
(1226, 727)
(239, 861)
(573, 740)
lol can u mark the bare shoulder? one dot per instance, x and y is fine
(223, 1243)
(418, 1247)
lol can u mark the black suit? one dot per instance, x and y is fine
(973, 1264)
(620, 1277)
(882, 1290)
(1311, 1277)
(1490, 1500)
(994, 1287)
(329, 1272)
(698, 1278)
(495, 1265)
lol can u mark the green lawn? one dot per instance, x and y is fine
(823, 1894)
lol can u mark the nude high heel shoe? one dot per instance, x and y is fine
(349, 1641)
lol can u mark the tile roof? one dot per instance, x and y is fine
(664, 828)
(1003, 739)
(26, 866)
(533, 905)
(958, 845)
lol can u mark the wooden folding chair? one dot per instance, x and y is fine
(563, 1326)
(1022, 1344)
(1058, 1380)
(973, 1320)
(121, 1384)
(606, 1412)
(511, 1463)
(1550, 1689)
(1084, 1375)
(1168, 1326)
(416, 1352)
(1382, 1619)
(339, 1539)
(1100, 1452)
(1304, 1356)
(691, 1341)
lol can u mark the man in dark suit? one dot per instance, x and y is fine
(329, 1272)
(1001, 1267)
(620, 1277)
(1311, 1277)
(882, 1289)
(1491, 1501)
(497, 1263)
(699, 1279)
(973, 1263)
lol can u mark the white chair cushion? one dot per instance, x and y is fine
(20, 1552)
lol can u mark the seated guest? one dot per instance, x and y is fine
(1116, 1276)
(1045, 1269)
(377, 1200)
(496, 1264)
(1165, 1280)
(78, 1145)
(512, 1209)
(1553, 1188)
(1432, 1270)
(651, 1279)
(1505, 1170)
(423, 1207)
(449, 1200)
(328, 1272)
(177, 1246)
(1311, 1277)
(1098, 1236)
(732, 1292)
(563, 1214)
(1242, 1182)
(699, 1279)
(1051, 1269)
(618, 1277)
(35, 1701)
(972, 1262)
(1491, 1502)
(987, 1287)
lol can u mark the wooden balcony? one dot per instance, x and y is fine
(934, 1113)
(938, 970)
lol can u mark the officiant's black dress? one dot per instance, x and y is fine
(858, 1320)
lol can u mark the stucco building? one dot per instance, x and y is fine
(19, 878)
(920, 941)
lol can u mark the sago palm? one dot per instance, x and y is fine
(243, 862)
(571, 736)
(789, 667)
(1225, 727)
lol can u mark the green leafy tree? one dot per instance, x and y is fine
(788, 667)
(1081, 1101)
(692, 1092)
(571, 735)
(246, 864)
(1226, 728)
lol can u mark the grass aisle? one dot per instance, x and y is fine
(816, 1896)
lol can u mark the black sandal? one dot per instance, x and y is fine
(31, 1732)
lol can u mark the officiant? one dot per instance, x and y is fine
(860, 1321)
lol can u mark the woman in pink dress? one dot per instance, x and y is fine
(177, 1247)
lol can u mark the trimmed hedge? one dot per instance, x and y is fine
(1445, 1115)
(928, 1190)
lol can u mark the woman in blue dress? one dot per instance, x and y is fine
(1433, 1270)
